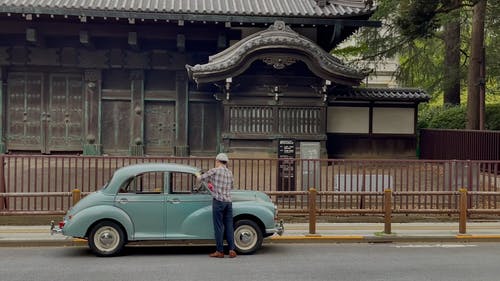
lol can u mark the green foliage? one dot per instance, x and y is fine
(454, 117)
(442, 117)
(417, 19)
(493, 117)
(412, 32)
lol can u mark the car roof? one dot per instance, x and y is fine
(135, 169)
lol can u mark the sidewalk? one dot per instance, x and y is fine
(24, 236)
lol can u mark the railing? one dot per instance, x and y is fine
(39, 184)
(459, 144)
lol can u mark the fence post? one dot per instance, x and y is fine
(77, 195)
(3, 200)
(462, 229)
(388, 211)
(312, 211)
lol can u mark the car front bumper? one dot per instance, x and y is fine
(278, 229)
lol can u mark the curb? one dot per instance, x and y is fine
(275, 240)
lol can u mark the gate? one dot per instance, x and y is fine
(44, 111)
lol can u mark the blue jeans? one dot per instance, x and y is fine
(223, 222)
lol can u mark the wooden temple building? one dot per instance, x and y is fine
(192, 77)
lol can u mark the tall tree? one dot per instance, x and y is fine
(474, 78)
(451, 83)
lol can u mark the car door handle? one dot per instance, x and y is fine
(174, 201)
(123, 200)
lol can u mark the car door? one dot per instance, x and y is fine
(142, 198)
(189, 213)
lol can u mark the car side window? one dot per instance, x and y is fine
(146, 183)
(182, 183)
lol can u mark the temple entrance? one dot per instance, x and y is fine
(44, 112)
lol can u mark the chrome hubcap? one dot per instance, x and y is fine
(106, 239)
(245, 237)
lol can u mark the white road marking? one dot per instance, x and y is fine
(435, 246)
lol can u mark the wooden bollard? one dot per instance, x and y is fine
(77, 195)
(312, 211)
(387, 211)
(462, 228)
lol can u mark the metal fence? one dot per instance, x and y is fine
(459, 144)
(40, 184)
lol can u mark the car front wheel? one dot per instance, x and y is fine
(247, 236)
(106, 239)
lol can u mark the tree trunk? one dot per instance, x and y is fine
(451, 83)
(473, 76)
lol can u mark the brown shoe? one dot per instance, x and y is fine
(232, 254)
(216, 254)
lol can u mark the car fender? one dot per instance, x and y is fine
(80, 223)
(262, 212)
(192, 224)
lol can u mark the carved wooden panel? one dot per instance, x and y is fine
(65, 120)
(69, 57)
(136, 60)
(202, 127)
(4, 56)
(19, 55)
(159, 127)
(43, 56)
(93, 59)
(160, 59)
(24, 112)
(115, 128)
(116, 58)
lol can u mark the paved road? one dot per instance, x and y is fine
(274, 262)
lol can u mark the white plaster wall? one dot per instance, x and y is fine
(344, 119)
(388, 120)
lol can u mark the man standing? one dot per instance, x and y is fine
(222, 180)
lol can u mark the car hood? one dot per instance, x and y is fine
(246, 195)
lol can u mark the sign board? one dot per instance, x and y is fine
(310, 168)
(286, 165)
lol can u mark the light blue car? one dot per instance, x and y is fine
(158, 202)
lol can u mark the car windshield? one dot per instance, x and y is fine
(104, 186)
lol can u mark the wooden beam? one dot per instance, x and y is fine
(182, 18)
(95, 30)
(93, 87)
(133, 41)
(31, 35)
(2, 106)
(85, 39)
(181, 43)
(137, 113)
(222, 41)
(35, 37)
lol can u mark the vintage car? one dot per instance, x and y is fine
(158, 202)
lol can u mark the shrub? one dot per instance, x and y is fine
(455, 117)
(442, 117)
(492, 117)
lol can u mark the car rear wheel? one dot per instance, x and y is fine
(247, 236)
(106, 239)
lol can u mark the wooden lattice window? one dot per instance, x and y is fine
(299, 120)
(289, 120)
(251, 119)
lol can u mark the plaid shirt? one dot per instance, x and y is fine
(222, 179)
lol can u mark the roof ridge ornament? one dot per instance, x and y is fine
(280, 46)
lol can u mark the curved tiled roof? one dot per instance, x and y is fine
(382, 94)
(281, 8)
(279, 46)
